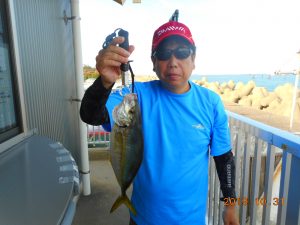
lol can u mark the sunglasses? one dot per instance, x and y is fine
(179, 53)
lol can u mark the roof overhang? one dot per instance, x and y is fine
(123, 1)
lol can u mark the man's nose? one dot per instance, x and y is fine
(173, 61)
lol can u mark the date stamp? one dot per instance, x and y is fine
(258, 201)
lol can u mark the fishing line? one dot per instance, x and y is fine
(132, 78)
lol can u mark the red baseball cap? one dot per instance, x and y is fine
(171, 28)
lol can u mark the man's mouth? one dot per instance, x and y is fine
(173, 76)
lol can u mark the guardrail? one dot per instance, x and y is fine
(267, 165)
(97, 137)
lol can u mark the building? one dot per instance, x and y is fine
(41, 85)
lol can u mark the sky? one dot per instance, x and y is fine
(232, 36)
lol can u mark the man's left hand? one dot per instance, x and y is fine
(229, 216)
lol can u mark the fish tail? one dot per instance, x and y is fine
(123, 199)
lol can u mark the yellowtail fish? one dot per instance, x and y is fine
(126, 148)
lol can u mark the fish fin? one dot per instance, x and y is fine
(123, 199)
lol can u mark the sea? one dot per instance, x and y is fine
(270, 82)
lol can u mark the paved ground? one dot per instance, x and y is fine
(271, 119)
(94, 209)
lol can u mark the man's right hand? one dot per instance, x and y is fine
(109, 60)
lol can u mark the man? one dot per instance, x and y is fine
(182, 124)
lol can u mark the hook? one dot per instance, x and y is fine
(66, 18)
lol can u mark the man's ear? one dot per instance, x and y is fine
(153, 62)
(153, 59)
(193, 59)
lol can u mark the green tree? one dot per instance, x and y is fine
(89, 72)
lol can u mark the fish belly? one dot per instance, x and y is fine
(126, 155)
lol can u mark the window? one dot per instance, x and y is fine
(10, 124)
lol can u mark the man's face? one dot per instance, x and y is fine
(174, 71)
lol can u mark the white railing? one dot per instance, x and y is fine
(265, 176)
(97, 137)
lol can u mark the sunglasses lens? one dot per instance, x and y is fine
(182, 53)
(163, 55)
(179, 53)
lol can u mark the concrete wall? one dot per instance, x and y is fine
(47, 69)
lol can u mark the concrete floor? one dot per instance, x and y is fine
(95, 209)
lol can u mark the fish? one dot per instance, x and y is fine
(127, 146)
